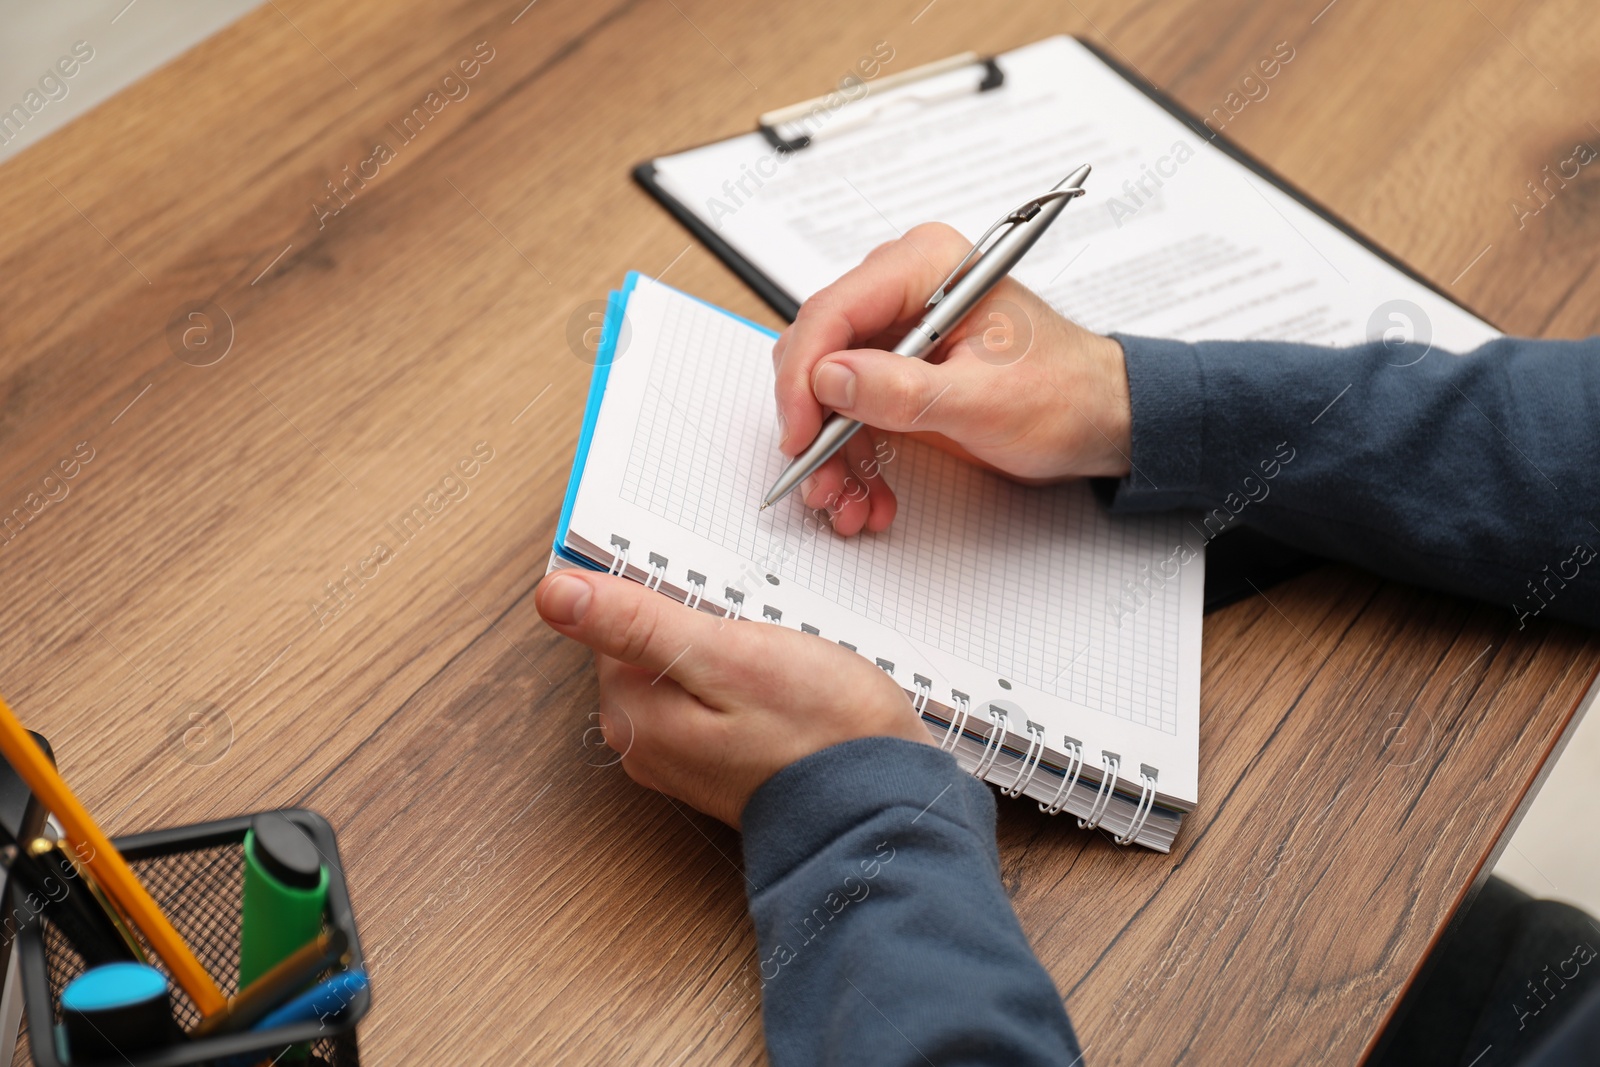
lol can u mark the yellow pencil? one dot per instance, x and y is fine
(112, 871)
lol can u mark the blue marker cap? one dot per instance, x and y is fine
(115, 1009)
(114, 985)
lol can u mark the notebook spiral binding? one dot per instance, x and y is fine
(991, 745)
(658, 571)
(961, 704)
(1069, 780)
(1110, 763)
(1147, 800)
(1029, 764)
(961, 713)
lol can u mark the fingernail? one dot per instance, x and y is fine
(807, 487)
(565, 599)
(835, 386)
(783, 429)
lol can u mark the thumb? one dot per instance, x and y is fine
(899, 394)
(622, 619)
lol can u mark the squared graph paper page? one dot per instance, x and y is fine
(1001, 591)
(1174, 238)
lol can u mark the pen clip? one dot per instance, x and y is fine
(1015, 217)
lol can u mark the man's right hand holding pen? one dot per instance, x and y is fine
(1016, 387)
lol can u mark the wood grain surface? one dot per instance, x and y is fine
(1364, 745)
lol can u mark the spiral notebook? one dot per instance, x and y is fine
(1001, 610)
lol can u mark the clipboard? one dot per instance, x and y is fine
(986, 74)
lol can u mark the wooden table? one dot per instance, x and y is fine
(1364, 745)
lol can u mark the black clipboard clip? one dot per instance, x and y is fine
(789, 129)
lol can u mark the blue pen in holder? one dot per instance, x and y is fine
(196, 874)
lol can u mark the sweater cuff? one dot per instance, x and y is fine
(1166, 387)
(814, 801)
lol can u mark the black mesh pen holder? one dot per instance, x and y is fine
(196, 874)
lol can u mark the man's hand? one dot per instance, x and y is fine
(706, 710)
(1015, 387)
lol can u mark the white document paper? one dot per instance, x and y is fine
(1174, 238)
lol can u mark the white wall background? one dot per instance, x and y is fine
(129, 41)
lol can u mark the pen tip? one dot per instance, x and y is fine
(763, 507)
(1076, 178)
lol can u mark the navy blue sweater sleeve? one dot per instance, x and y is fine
(1476, 474)
(885, 934)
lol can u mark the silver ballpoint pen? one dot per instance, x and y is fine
(1017, 232)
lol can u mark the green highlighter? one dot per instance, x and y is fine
(285, 894)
